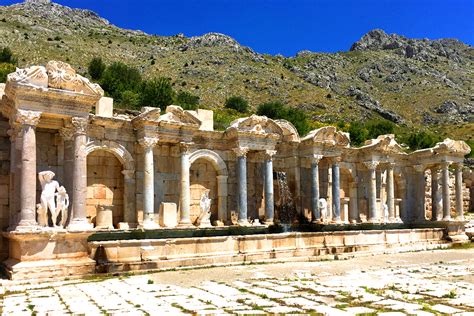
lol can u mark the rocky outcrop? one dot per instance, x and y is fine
(420, 49)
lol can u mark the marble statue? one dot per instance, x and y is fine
(385, 213)
(62, 201)
(204, 219)
(323, 208)
(439, 205)
(53, 199)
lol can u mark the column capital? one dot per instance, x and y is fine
(241, 151)
(434, 168)
(79, 125)
(268, 154)
(419, 168)
(30, 118)
(445, 164)
(184, 147)
(128, 174)
(148, 142)
(390, 165)
(458, 166)
(66, 133)
(371, 165)
(336, 160)
(14, 132)
(315, 158)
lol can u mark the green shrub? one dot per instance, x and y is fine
(358, 133)
(421, 140)
(119, 77)
(157, 92)
(96, 68)
(471, 144)
(277, 110)
(223, 118)
(379, 127)
(187, 101)
(130, 99)
(237, 103)
(5, 69)
(6, 56)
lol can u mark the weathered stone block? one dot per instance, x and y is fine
(104, 107)
(168, 215)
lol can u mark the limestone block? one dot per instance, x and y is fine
(168, 215)
(104, 107)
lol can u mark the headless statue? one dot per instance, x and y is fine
(323, 208)
(204, 219)
(47, 201)
(62, 201)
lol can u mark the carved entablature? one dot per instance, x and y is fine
(452, 148)
(255, 125)
(290, 133)
(56, 75)
(384, 144)
(326, 140)
(176, 116)
(148, 116)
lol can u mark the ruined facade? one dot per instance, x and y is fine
(123, 172)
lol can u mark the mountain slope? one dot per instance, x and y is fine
(411, 82)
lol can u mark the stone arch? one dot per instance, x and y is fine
(212, 157)
(128, 172)
(221, 168)
(115, 148)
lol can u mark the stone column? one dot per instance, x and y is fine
(458, 191)
(434, 192)
(445, 184)
(148, 143)
(242, 177)
(222, 193)
(372, 166)
(420, 192)
(79, 220)
(185, 187)
(315, 211)
(27, 121)
(336, 197)
(268, 187)
(390, 193)
(15, 172)
(129, 206)
(67, 134)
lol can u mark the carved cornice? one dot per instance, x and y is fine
(30, 118)
(371, 165)
(79, 125)
(241, 151)
(148, 142)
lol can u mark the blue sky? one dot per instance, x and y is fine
(286, 27)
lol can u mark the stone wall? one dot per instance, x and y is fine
(104, 185)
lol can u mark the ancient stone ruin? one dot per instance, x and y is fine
(69, 176)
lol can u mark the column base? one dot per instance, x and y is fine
(373, 221)
(460, 218)
(447, 219)
(243, 222)
(149, 224)
(186, 224)
(269, 222)
(80, 225)
(26, 228)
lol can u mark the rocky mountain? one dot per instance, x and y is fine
(416, 83)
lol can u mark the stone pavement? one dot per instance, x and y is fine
(439, 282)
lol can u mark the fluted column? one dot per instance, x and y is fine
(79, 177)
(268, 188)
(458, 191)
(390, 193)
(242, 177)
(445, 184)
(315, 211)
(148, 143)
(372, 166)
(185, 187)
(434, 192)
(420, 192)
(336, 197)
(28, 121)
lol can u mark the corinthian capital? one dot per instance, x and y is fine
(241, 151)
(79, 125)
(148, 142)
(66, 133)
(30, 118)
(184, 147)
(315, 158)
(371, 165)
(268, 154)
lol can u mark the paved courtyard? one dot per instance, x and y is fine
(418, 283)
